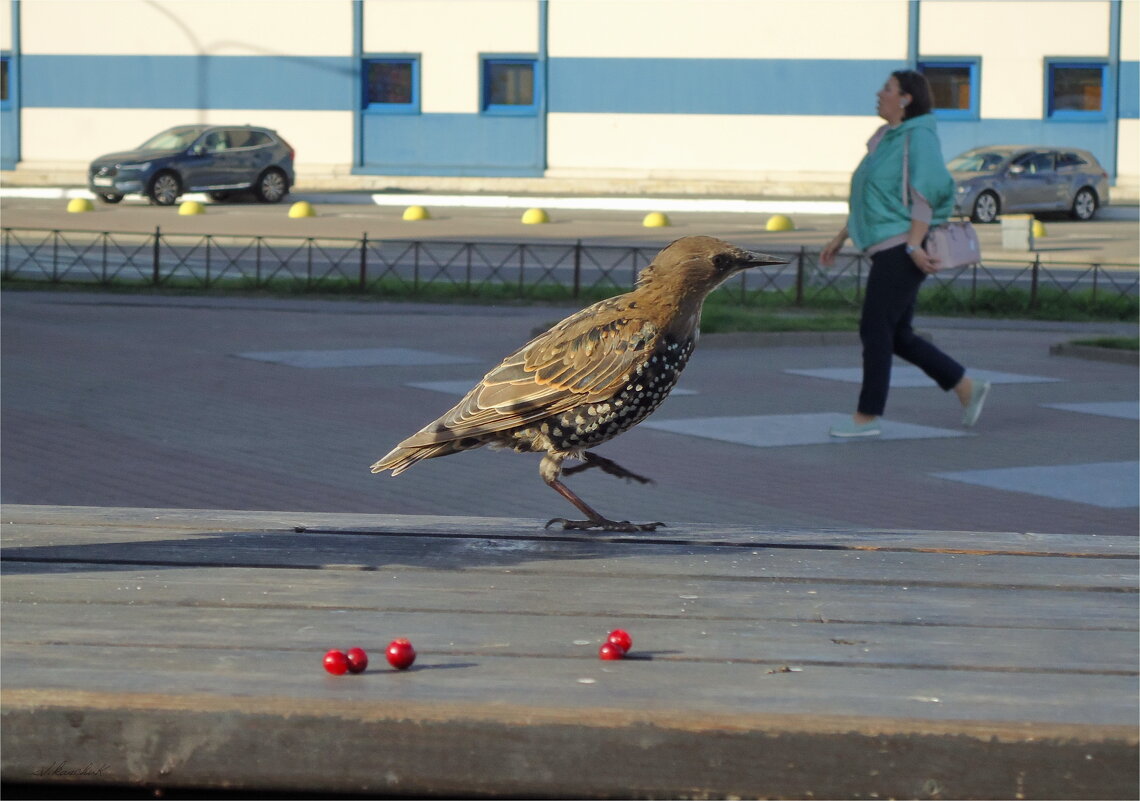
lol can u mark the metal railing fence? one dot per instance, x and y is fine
(399, 266)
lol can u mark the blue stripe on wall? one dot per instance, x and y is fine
(717, 86)
(451, 144)
(196, 82)
(1130, 90)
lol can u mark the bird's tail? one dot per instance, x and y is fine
(402, 457)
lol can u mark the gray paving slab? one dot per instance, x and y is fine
(134, 400)
(1125, 410)
(780, 430)
(904, 375)
(1114, 485)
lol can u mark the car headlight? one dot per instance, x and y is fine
(134, 167)
(962, 189)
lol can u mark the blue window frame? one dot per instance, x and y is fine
(5, 90)
(954, 82)
(1075, 89)
(510, 85)
(391, 84)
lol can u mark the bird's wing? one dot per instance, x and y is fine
(583, 359)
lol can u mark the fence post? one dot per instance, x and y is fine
(416, 266)
(155, 258)
(208, 240)
(974, 289)
(103, 267)
(1095, 271)
(800, 278)
(54, 256)
(7, 253)
(467, 274)
(577, 268)
(1033, 281)
(257, 260)
(363, 261)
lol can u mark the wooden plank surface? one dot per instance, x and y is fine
(181, 648)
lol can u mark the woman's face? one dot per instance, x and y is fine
(892, 102)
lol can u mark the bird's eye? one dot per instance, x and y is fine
(722, 261)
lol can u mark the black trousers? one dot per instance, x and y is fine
(885, 329)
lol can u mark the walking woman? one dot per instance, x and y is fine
(891, 232)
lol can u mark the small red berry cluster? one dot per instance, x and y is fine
(400, 655)
(616, 646)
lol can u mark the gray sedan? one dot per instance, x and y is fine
(1005, 179)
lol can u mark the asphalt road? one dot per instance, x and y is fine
(1113, 239)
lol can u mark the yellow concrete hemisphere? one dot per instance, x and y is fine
(656, 219)
(191, 207)
(413, 213)
(302, 208)
(1039, 229)
(78, 205)
(535, 216)
(780, 222)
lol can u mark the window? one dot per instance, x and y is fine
(1035, 163)
(509, 86)
(1070, 160)
(5, 98)
(391, 85)
(955, 87)
(1074, 90)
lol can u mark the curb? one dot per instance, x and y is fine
(1095, 354)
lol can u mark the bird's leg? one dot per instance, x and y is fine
(549, 469)
(590, 459)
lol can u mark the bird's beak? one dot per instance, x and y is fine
(752, 259)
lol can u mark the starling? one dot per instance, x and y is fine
(592, 376)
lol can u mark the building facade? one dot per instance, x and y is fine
(775, 95)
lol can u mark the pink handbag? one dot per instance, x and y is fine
(955, 243)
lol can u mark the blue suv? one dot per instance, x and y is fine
(216, 159)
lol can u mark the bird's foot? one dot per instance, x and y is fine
(606, 465)
(603, 524)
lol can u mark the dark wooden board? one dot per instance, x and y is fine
(182, 648)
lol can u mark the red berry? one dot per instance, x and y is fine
(336, 662)
(621, 638)
(357, 660)
(610, 650)
(400, 653)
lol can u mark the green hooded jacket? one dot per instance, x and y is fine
(876, 204)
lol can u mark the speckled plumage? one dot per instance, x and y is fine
(590, 377)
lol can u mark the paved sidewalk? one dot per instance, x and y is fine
(233, 403)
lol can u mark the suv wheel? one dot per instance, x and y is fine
(108, 197)
(271, 186)
(1084, 204)
(164, 189)
(986, 208)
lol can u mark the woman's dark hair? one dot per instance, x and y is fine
(921, 96)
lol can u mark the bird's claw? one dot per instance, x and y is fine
(605, 525)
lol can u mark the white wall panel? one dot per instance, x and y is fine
(1130, 31)
(450, 37)
(49, 134)
(188, 27)
(656, 143)
(1013, 40)
(828, 29)
(5, 24)
(1075, 28)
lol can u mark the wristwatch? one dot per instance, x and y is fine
(910, 249)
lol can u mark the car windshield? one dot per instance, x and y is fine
(978, 161)
(173, 139)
